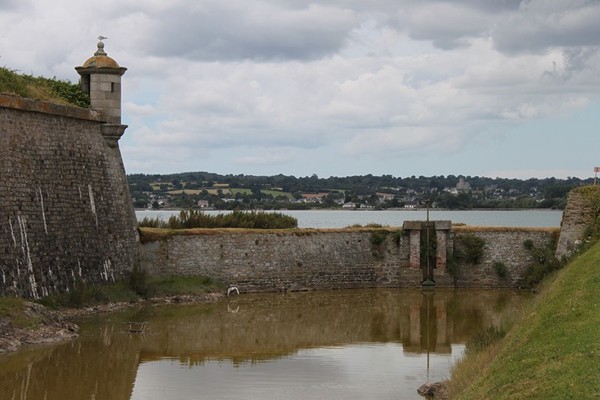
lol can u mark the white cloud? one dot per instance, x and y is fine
(272, 80)
(252, 29)
(266, 157)
(448, 25)
(138, 110)
(542, 24)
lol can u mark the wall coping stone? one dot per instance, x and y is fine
(44, 107)
(418, 225)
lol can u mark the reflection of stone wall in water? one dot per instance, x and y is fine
(333, 259)
(104, 361)
(102, 365)
(269, 326)
(65, 209)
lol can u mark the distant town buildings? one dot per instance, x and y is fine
(361, 192)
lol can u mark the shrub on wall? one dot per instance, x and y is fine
(591, 194)
(468, 248)
(544, 264)
(378, 239)
(528, 244)
(500, 269)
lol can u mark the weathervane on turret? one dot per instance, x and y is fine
(100, 51)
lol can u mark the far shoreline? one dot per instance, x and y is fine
(352, 209)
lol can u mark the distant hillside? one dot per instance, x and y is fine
(386, 191)
(51, 90)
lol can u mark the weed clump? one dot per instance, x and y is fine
(188, 219)
(378, 238)
(484, 339)
(467, 249)
(500, 268)
(545, 262)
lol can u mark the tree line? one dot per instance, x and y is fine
(439, 191)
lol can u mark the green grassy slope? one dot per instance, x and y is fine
(51, 90)
(554, 351)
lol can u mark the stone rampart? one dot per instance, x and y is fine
(65, 210)
(581, 214)
(331, 259)
(502, 245)
(295, 260)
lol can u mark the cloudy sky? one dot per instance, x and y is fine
(499, 88)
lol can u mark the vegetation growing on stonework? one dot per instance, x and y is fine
(52, 90)
(544, 264)
(188, 219)
(591, 194)
(500, 269)
(378, 239)
(468, 249)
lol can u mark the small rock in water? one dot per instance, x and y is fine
(437, 390)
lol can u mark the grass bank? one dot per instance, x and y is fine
(14, 309)
(24, 322)
(553, 352)
(138, 287)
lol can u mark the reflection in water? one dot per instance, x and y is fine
(341, 344)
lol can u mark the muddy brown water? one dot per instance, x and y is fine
(360, 344)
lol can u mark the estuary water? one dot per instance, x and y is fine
(360, 344)
(344, 218)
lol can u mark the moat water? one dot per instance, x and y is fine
(359, 344)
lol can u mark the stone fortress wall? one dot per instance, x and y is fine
(66, 215)
(334, 259)
(65, 210)
(581, 213)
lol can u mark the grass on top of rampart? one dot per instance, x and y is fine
(51, 90)
(156, 234)
(152, 234)
(474, 228)
(552, 352)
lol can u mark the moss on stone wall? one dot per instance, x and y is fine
(591, 197)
